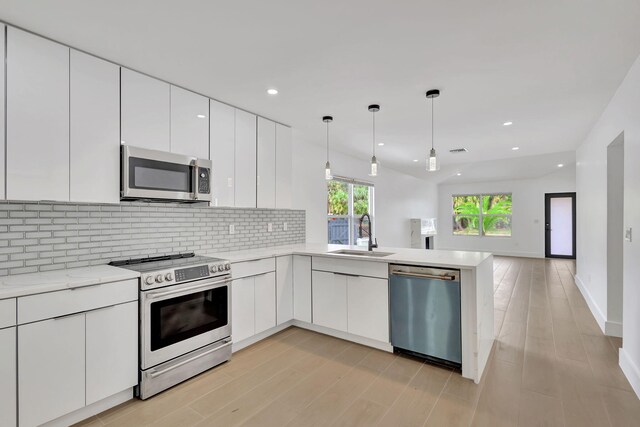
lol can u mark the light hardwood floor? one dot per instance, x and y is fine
(551, 365)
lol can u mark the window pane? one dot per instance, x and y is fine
(466, 225)
(360, 199)
(496, 225)
(338, 230)
(337, 198)
(496, 204)
(466, 205)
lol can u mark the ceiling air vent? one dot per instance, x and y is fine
(458, 150)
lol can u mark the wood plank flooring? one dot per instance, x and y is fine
(550, 366)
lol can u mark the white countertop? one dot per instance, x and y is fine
(433, 258)
(36, 283)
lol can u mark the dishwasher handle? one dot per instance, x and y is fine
(424, 272)
(427, 276)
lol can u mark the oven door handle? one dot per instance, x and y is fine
(155, 373)
(181, 290)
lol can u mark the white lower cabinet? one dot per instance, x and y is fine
(265, 297)
(242, 308)
(51, 376)
(8, 375)
(302, 288)
(329, 300)
(284, 288)
(110, 356)
(368, 307)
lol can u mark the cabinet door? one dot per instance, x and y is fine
(245, 160)
(368, 307)
(302, 288)
(242, 308)
(145, 111)
(189, 123)
(330, 300)
(284, 167)
(284, 287)
(265, 301)
(222, 125)
(51, 379)
(37, 118)
(266, 174)
(95, 129)
(112, 350)
(2, 110)
(8, 390)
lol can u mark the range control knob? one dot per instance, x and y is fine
(220, 267)
(148, 280)
(159, 278)
(213, 269)
(227, 266)
(168, 277)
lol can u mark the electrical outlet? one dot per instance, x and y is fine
(269, 227)
(627, 234)
(232, 229)
(285, 226)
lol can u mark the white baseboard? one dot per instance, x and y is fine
(630, 370)
(595, 310)
(259, 337)
(613, 329)
(91, 410)
(384, 346)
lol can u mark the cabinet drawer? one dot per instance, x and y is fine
(253, 267)
(53, 304)
(348, 266)
(7, 312)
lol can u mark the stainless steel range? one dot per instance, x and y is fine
(185, 317)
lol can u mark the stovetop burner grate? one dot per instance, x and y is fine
(133, 261)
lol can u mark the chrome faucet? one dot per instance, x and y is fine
(371, 243)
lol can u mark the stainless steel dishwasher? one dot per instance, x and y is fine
(425, 313)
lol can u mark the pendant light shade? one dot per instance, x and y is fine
(432, 162)
(374, 108)
(327, 167)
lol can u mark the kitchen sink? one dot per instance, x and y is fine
(361, 253)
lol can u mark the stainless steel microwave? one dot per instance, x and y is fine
(158, 175)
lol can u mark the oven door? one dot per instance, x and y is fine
(181, 318)
(152, 174)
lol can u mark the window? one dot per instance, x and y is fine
(347, 200)
(486, 214)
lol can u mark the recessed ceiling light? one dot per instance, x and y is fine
(458, 174)
(272, 91)
(515, 148)
(415, 160)
(201, 116)
(380, 144)
(507, 123)
(560, 165)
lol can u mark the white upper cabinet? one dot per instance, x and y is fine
(284, 166)
(222, 125)
(189, 123)
(37, 118)
(245, 160)
(145, 111)
(266, 174)
(2, 116)
(94, 129)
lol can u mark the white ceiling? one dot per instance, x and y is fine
(549, 66)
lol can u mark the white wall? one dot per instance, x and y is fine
(615, 233)
(398, 197)
(527, 235)
(621, 115)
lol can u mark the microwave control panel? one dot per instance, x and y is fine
(203, 180)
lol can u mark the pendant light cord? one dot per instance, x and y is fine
(327, 141)
(374, 134)
(432, 123)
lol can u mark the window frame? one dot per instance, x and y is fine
(350, 210)
(481, 215)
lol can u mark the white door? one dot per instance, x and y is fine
(189, 123)
(368, 307)
(242, 308)
(8, 390)
(559, 225)
(265, 301)
(302, 288)
(266, 173)
(37, 118)
(145, 111)
(112, 350)
(222, 124)
(284, 167)
(94, 129)
(330, 300)
(51, 376)
(2, 110)
(245, 160)
(284, 287)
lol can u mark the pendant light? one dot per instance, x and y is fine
(374, 108)
(327, 167)
(432, 162)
